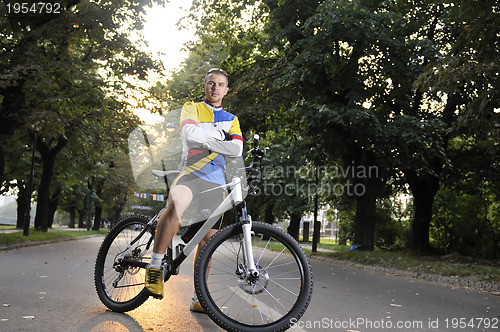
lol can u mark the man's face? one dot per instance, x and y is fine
(215, 88)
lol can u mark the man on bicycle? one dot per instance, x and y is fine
(209, 135)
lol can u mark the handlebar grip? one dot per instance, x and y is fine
(256, 138)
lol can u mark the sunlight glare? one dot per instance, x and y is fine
(164, 37)
(166, 43)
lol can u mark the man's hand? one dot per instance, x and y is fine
(227, 137)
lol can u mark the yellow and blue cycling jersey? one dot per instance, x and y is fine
(203, 138)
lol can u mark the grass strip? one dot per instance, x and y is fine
(480, 270)
(15, 238)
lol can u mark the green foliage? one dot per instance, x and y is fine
(66, 79)
(467, 219)
(401, 86)
(470, 64)
(457, 223)
(392, 225)
(346, 227)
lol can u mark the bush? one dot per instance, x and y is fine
(391, 225)
(465, 223)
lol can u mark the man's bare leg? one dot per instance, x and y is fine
(195, 304)
(179, 199)
(168, 223)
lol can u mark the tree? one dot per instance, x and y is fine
(375, 85)
(466, 218)
(64, 73)
(284, 188)
(469, 65)
(465, 74)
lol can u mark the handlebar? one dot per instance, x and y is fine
(257, 153)
(256, 139)
(254, 176)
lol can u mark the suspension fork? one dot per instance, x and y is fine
(246, 224)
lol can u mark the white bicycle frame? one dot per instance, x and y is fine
(235, 197)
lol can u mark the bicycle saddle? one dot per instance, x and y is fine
(158, 173)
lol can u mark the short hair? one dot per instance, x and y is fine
(217, 71)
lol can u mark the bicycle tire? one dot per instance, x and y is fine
(120, 287)
(272, 303)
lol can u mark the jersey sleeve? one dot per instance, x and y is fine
(189, 115)
(235, 131)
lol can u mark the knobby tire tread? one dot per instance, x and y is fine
(99, 266)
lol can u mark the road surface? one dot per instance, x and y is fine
(50, 288)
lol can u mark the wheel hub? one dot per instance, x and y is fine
(251, 285)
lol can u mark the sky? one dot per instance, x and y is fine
(163, 35)
(166, 41)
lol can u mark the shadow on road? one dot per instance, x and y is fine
(201, 319)
(111, 321)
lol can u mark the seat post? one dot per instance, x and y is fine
(165, 178)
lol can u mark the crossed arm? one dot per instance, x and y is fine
(215, 141)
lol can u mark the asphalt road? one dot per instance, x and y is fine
(50, 288)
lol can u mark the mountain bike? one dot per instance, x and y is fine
(250, 276)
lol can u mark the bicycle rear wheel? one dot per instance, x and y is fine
(120, 285)
(273, 301)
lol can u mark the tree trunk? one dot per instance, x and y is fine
(97, 217)
(48, 160)
(424, 189)
(268, 213)
(72, 216)
(82, 214)
(294, 227)
(117, 212)
(42, 208)
(364, 172)
(53, 204)
(23, 204)
(364, 221)
(98, 205)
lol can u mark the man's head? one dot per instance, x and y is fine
(215, 86)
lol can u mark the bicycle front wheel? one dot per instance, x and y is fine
(119, 280)
(236, 302)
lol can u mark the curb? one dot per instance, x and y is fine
(494, 289)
